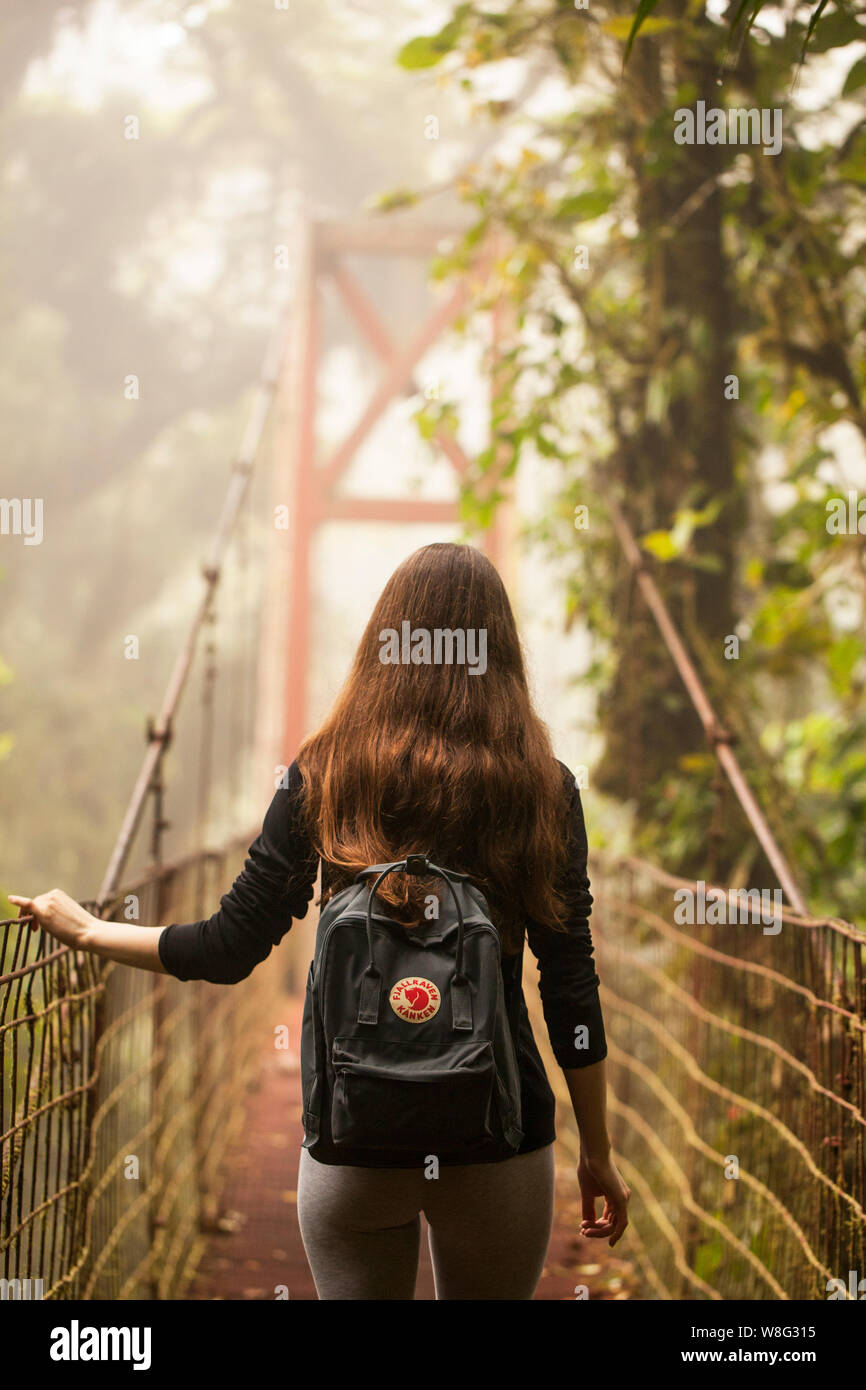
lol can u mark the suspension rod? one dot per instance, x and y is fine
(718, 738)
(160, 734)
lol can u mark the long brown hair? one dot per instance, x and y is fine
(435, 758)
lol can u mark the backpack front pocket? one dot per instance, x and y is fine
(395, 1096)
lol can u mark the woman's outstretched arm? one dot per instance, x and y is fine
(67, 921)
(274, 886)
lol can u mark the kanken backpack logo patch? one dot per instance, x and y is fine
(414, 999)
(407, 1048)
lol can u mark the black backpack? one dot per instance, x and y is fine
(406, 1047)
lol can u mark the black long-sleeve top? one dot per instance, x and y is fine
(276, 885)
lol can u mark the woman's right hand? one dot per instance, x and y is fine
(58, 914)
(599, 1177)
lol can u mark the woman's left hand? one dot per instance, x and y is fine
(600, 1177)
(60, 915)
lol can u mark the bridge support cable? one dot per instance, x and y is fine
(717, 735)
(160, 732)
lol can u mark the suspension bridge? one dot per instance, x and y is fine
(149, 1129)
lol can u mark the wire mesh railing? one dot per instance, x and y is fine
(120, 1098)
(736, 1071)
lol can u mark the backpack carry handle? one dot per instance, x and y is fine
(371, 982)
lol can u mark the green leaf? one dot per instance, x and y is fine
(842, 659)
(683, 528)
(546, 447)
(836, 31)
(856, 77)
(426, 425)
(741, 8)
(620, 26)
(429, 49)
(706, 515)
(657, 396)
(853, 167)
(425, 51)
(394, 200)
(583, 207)
(661, 544)
(644, 10)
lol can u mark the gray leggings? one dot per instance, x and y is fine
(489, 1227)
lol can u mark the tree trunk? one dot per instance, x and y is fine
(647, 717)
